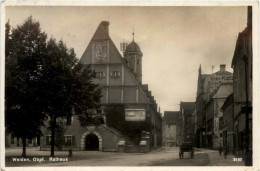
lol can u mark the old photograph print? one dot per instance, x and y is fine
(128, 86)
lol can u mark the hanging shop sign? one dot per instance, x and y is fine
(216, 125)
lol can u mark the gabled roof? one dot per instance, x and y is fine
(102, 34)
(239, 45)
(171, 117)
(224, 90)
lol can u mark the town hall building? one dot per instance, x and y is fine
(128, 113)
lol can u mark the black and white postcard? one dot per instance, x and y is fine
(123, 85)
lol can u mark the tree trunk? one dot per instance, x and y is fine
(24, 147)
(53, 126)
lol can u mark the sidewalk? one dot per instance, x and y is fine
(216, 160)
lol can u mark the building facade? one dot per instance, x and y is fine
(243, 75)
(214, 116)
(128, 110)
(12, 141)
(206, 88)
(170, 120)
(228, 123)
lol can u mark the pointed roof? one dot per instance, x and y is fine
(102, 31)
(133, 47)
(239, 46)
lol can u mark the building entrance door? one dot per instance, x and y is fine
(92, 142)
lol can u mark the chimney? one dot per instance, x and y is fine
(222, 67)
(105, 25)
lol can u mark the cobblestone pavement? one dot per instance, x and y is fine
(166, 156)
(217, 160)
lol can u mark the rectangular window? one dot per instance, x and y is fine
(73, 140)
(115, 74)
(103, 74)
(100, 74)
(30, 141)
(118, 74)
(69, 140)
(48, 140)
(12, 139)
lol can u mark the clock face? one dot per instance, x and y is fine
(101, 52)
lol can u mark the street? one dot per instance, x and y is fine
(166, 156)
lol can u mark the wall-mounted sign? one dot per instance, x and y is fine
(216, 125)
(218, 78)
(135, 114)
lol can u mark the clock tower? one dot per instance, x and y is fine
(133, 56)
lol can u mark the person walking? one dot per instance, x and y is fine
(220, 149)
(226, 151)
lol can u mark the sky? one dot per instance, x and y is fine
(174, 40)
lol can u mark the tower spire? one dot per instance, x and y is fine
(133, 34)
(200, 69)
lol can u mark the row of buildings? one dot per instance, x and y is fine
(224, 100)
(179, 126)
(222, 112)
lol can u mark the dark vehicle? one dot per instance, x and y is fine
(186, 147)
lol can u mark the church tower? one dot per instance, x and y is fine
(133, 56)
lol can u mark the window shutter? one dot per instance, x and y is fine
(73, 140)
